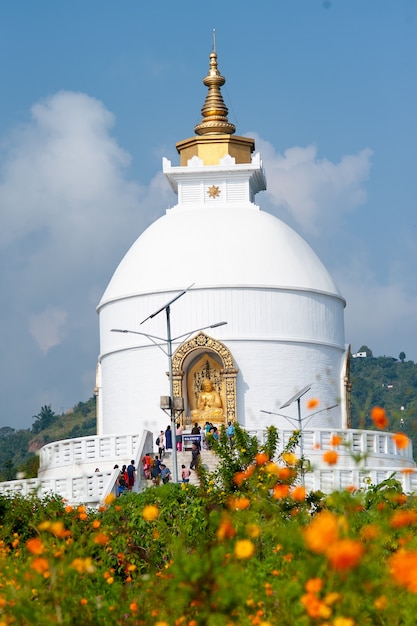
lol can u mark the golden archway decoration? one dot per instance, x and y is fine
(200, 344)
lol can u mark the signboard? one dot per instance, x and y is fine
(188, 440)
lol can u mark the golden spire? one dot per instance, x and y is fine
(214, 111)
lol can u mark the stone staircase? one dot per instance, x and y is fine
(207, 457)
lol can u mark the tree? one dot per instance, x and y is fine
(402, 357)
(44, 418)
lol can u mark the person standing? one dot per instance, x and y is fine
(178, 438)
(230, 432)
(131, 475)
(195, 456)
(161, 444)
(165, 473)
(185, 474)
(156, 470)
(168, 438)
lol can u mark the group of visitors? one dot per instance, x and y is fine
(126, 478)
(153, 467)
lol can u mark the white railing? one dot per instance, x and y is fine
(374, 444)
(92, 488)
(83, 449)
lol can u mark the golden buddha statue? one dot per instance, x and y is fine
(209, 404)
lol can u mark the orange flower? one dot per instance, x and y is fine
(345, 554)
(379, 417)
(298, 493)
(403, 518)
(96, 524)
(239, 477)
(330, 457)
(314, 607)
(261, 458)
(400, 440)
(403, 569)
(244, 549)
(35, 545)
(225, 529)
(321, 532)
(314, 585)
(370, 532)
(311, 404)
(239, 504)
(335, 440)
(101, 539)
(40, 565)
(284, 473)
(280, 491)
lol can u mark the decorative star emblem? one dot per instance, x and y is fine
(213, 191)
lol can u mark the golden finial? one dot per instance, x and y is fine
(214, 111)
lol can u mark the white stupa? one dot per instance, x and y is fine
(285, 326)
(217, 257)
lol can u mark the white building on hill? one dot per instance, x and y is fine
(283, 344)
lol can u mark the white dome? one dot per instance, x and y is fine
(215, 247)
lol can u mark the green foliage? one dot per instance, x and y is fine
(181, 555)
(391, 384)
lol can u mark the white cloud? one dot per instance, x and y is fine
(379, 314)
(315, 192)
(48, 328)
(69, 213)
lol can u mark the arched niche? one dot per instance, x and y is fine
(204, 357)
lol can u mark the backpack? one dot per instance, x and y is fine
(157, 441)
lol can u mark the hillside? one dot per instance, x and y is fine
(380, 381)
(18, 447)
(386, 382)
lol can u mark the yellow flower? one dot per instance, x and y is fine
(109, 498)
(253, 530)
(289, 458)
(150, 512)
(244, 549)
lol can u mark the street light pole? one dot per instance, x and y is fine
(168, 341)
(299, 419)
(171, 396)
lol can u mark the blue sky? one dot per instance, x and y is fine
(95, 93)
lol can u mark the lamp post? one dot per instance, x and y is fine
(299, 421)
(168, 341)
